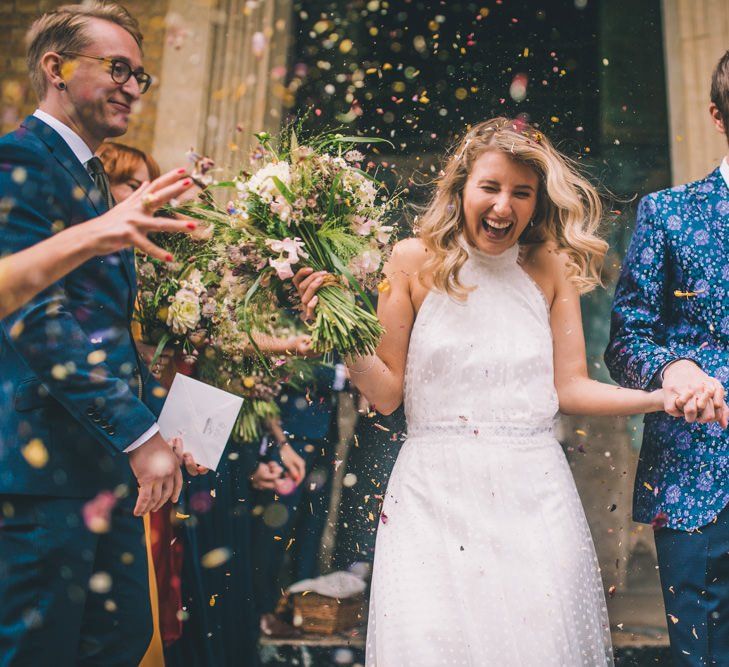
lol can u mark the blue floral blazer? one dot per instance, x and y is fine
(671, 303)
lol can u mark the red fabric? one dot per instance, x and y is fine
(167, 553)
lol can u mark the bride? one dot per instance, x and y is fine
(483, 554)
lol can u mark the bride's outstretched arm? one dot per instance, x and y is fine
(380, 377)
(578, 394)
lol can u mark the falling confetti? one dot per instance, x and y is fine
(216, 557)
(35, 453)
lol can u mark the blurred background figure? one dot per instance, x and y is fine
(290, 520)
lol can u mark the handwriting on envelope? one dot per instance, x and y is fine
(203, 416)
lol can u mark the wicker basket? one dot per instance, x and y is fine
(320, 614)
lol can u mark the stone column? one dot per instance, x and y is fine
(696, 34)
(248, 65)
(183, 81)
(222, 77)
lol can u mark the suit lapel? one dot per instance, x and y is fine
(66, 158)
(62, 152)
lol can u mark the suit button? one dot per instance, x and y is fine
(96, 419)
(111, 430)
(90, 411)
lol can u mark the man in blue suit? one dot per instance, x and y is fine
(74, 424)
(670, 328)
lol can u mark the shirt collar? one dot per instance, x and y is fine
(77, 145)
(724, 169)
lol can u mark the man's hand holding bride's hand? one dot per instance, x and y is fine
(692, 394)
(307, 282)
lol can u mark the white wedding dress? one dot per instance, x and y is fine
(483, 554)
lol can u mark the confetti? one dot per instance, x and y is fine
(96, 512)
(35, 453)
(216, 557)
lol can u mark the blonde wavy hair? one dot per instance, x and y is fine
(568, 210)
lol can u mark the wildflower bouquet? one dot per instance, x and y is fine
(176, 303)
(313, 205)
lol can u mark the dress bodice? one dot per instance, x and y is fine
(486, 360)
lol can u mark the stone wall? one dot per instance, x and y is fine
(17, 99)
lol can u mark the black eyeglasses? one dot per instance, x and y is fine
(120, 70)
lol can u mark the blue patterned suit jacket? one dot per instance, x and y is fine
(69, 372)
(681, 243)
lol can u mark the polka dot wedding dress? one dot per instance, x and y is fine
(483, 553)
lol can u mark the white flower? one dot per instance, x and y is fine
(283, 267)
(353, 156)
(383, 233)
(294, 248)
(183, 314)
(367, 192)
(280, 207)
(262, 184)
(362, 225)
(366, 262)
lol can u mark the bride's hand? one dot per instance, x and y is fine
(307, 282)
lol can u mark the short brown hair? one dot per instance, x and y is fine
(720, 89)
(120, 161)
(63, 29)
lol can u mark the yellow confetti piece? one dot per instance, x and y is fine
(345, 46)
(674, 619)
(182, 517)
(68, 68)
(554, 119)
(100, 582)
(19, 175)
(526, 52)
(579, 431)
(96, 357)
(647, 486)
(35, 453)
(687, 295)
(216, 557)
(249, 382)
(159, 392)
(212, 599)
(17, 329)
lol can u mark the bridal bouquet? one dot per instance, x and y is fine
(313, 205)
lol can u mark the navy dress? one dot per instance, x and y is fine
(221, 626)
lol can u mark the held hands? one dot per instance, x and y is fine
(129, 222)
(300, 346)
(163, 370)
(156, 465)
(690, 393)
(266, 475)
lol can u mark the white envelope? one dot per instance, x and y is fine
(203, 416)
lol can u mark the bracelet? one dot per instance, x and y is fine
(369, 368)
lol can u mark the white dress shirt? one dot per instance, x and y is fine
(724, 169)
(83, 154)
